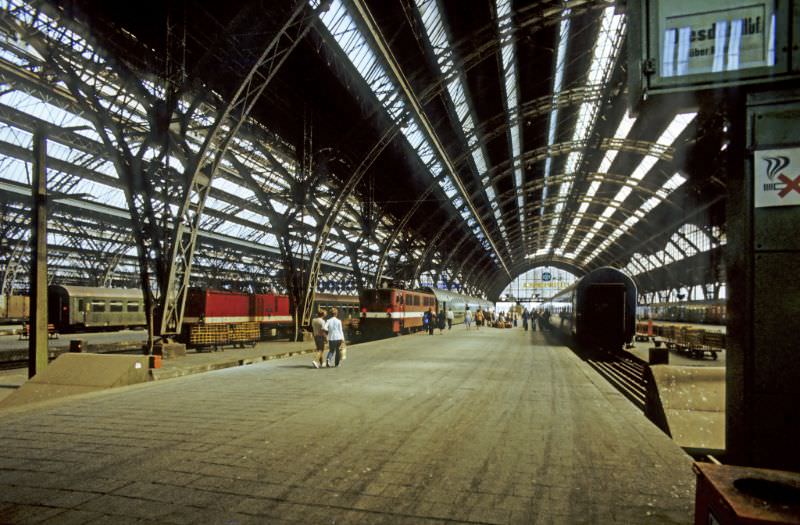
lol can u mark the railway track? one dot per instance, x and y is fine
(626, 374)
(16, 359)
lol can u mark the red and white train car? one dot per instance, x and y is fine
(392, 311)
(215, 317)
(271, 310)
(216, 306)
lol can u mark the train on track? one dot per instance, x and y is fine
(387, 312)
(77, 308)
(348, 307)
(214, 318)
(598, 311)
(211, 317)
(695, 312)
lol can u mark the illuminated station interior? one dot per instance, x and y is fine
(404, 261)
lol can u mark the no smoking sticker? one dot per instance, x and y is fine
(777, 177)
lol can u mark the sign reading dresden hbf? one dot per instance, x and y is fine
(714, 36)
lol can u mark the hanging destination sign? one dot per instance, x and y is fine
(715, 36)
(689, 46)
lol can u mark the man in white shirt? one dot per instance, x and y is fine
(318, 331)
(335, 336)
(450, 318)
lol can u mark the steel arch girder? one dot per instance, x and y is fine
(210, 156)
(400, 227)
(383, 50)
(331, 217)
(424, 260)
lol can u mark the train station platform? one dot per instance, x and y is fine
(495, 426)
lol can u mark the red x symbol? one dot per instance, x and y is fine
(790, 185)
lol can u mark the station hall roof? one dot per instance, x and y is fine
(488, 136)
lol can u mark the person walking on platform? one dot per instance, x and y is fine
(525, 316)
(431, 316)
(478, 318)
(441, 320)
(467, 318)
(450, 318)
(318, 331)
(534, 319)
(335, 337)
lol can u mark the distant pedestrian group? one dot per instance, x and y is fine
(432, 320)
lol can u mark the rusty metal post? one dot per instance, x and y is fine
(37, 333)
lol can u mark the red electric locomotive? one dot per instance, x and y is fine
(392, 311)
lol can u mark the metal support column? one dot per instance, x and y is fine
(37, 333)
(763, 253)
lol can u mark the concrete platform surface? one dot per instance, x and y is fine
(195, 362)
(468, 427)
(78, 373)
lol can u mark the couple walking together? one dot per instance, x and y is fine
(332, 331)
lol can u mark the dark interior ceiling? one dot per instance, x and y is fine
(214, 43)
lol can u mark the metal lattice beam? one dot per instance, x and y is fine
(217, 141)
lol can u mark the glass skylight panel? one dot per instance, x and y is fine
(278, 206)
(42, 110)
(672, 132)
(674, 251)
(437, 37)
(12, 57)
(505, 29)
(231, 188)
(630, 221)
(605, 52)
(252, 216)
(609, 40)
(675, 128)
(215, 204)
(101, 193)
(623, 193)
(14, 170)
(558, 75)
(593, 187)
(675, 182)
(16, 136)
(650, 203)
